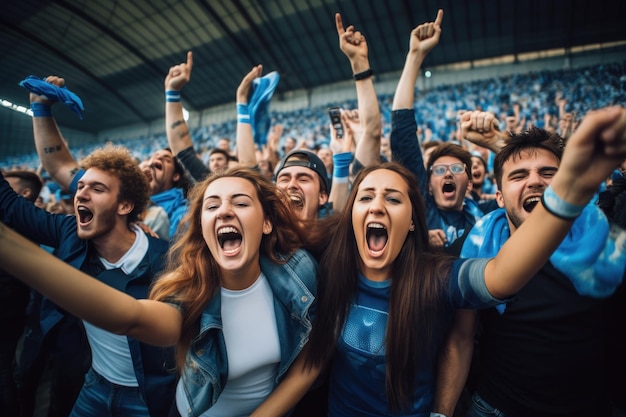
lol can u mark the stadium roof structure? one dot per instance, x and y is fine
(115, 54)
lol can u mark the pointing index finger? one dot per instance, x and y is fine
(339, 24)
(190, 59)
(439, 18)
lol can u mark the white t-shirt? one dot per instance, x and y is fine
(110, 352)
(253, 350)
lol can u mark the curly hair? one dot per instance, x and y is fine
(192, 275)
(118, 161)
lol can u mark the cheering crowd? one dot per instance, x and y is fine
(453, 252)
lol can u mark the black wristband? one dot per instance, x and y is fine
(363, 75)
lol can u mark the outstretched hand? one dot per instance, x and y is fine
(352, 43)
(51, 79)
(593, 151)
(179, 75)
(243, 90)
(426, 36)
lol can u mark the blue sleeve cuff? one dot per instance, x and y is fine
(467, 285)
(74, 184)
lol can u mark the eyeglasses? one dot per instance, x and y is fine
(440, 170)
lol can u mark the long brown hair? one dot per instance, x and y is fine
(415, 301)
(192, 276)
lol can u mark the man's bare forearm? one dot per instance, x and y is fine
(53, 151)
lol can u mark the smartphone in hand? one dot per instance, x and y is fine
(335, 120)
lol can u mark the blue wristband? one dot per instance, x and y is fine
(341, 165)
(40, 109)
(558, 207)
(172, 96)
(243, 113)
(242, 109)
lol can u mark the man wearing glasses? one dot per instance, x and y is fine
(449, 213)
(445, 181)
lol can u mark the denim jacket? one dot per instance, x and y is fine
(294, 288)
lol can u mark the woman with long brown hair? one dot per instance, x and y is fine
(236, 297)
(386, 304)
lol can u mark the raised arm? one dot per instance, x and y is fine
(342, 157)
(176, 128)
(152, 322)
(591, 154)
(246, 152)
(423, 39)
(51, 147)
(353, 44)
(405, 146)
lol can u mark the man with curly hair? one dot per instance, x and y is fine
(167, 179)
(126, 377)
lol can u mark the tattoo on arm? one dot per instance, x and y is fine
(177, 123)
(52, 149)
(183, 134)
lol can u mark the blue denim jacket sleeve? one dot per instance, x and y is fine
(406, 150)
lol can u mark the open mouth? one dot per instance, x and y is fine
(448, 188)
(84, 215)
(530, 203)
(229, 239)
(376, 236)
(157, 165)
(296, 201)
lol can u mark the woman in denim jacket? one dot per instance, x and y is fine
(236, 298)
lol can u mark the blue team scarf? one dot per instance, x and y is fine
(54, 93)
(592, 255)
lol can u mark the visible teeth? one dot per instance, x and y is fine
(530, 203)
(84, 214)
(296, 201)
(229, 239)
(376, 236)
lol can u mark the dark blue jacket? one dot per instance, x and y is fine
(406, 150)
(154, 366)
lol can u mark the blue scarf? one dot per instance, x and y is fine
(592, 255)
(54, 93)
